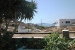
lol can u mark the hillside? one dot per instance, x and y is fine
(46, 24)
(55, 29)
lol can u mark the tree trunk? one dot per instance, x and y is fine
(15, 26)
(0, 26)
(6, 25)
(0, 23)
(0, 32)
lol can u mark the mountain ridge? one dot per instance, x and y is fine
(46, 24)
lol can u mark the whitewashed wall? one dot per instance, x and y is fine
(62, 22)
(21, 29)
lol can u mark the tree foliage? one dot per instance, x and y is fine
(13, 10)
(23, 9)
(54, 42)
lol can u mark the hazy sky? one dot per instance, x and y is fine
(52, 10)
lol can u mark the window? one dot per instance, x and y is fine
(67, 21)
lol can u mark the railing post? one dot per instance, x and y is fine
(65, 34)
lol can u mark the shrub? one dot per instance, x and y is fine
(54, 42)
(71, 45)
(41, 27)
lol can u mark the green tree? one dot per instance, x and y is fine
(13, 10)
(17, 9)
(54, 42)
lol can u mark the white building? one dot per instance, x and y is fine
(64, 22)
(22, 29)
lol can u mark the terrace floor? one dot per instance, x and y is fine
(38, 35)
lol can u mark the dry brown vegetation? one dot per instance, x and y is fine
(55, 29)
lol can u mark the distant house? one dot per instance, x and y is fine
(22, 29)
(64, 22)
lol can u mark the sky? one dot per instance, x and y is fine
(52, 10)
